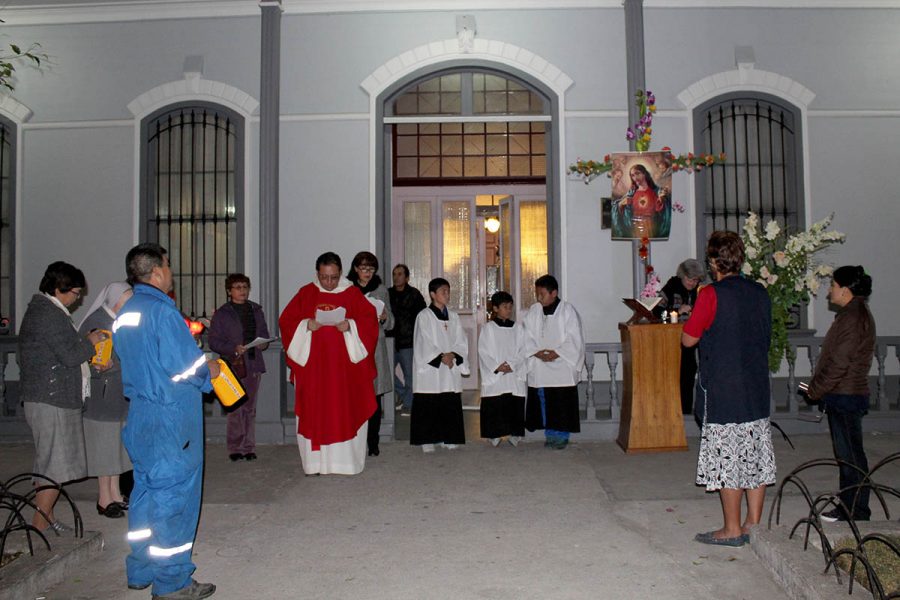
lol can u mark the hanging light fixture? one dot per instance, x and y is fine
(492, 224)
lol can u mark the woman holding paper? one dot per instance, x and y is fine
(330, 331)
(364, 273)
(106, 409)
(54, 382)
(234, 326)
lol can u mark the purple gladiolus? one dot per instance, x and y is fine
(629, 135)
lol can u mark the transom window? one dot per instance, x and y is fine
(192, 198)
(469, 150)
(7, 218)
(468, 126)
(474, 93)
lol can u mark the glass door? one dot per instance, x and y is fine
(453, 232)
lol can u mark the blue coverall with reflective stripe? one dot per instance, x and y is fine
(164, 373)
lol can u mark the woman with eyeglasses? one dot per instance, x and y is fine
(680, 294)
(841, 382)
(364, 274)
(55, 381)
(238, 322)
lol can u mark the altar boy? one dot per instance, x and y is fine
(554, 347)
(502, 374)
(440, 350)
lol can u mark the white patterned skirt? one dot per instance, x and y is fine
(736, 456)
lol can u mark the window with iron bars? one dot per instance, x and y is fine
(7, 219)
(761, 136)
(192, 198)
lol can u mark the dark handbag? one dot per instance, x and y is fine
(238, 366)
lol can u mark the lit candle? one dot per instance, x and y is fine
(674, 316)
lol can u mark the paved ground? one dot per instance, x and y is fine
(479, 522)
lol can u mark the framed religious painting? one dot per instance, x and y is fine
(641, 195)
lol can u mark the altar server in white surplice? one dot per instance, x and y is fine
(502, 367)
(440, 351)
(554, 347)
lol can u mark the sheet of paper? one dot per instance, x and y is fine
(259, 342)
(650, 303)
(331, 317)
(378, 304)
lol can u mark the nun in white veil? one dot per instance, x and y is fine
(106, 408)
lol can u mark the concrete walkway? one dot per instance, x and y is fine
(478, 522)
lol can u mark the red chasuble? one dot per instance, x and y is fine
(333, 396)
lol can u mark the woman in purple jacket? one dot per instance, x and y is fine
(234, 325)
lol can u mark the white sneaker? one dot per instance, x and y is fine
(495, 442)
(514, 440)
(427, 448)
(450, 446)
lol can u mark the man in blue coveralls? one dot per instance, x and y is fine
(164, 373)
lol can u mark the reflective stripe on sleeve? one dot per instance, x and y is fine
(139, 534)
(190, 370)
(166, 552)
(129, 319)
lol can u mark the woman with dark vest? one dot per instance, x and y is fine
(841, 382)
(732, 322)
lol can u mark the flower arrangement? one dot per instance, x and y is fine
(641, 132)
(651, 289)
(784, 264)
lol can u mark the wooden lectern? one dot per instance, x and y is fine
(651, 418)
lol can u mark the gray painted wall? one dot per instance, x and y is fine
(78, 182)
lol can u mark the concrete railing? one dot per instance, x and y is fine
(601, 399)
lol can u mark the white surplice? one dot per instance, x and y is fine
(498, 345)
(560, 332)
(434, 337)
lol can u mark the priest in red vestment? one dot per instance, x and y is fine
(331, 356)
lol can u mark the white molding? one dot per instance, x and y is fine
(14, 110)
(500, 53)
(746, 79)
(48, 12)
(18, 113)
(193, 89)
(446, 50)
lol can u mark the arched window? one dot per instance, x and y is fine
(192, 197)
(761, 136)
(7, 217)
(469, 126)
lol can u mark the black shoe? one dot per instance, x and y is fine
(138, 586)
(113, 510)
(235, 457)
(250, 456)
(374, 451)
(195, 591)
(833, 515)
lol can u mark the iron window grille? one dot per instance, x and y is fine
(192, 198)
(7, 219)
(761, 137)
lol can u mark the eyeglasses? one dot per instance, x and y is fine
(77, 293)
(366, 269)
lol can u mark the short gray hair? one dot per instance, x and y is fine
(691, 269)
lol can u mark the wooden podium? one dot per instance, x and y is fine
(651, 419)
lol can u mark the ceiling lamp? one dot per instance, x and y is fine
(492, 224)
